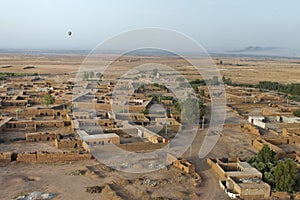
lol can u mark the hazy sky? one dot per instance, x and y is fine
(219, 25)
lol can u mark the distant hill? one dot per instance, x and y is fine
(256, 49)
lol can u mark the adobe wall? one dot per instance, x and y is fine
(50, 123)
(250, 128)
(110, 123)
(103, 106)
(297, 158)
(89, 105)
(34, 112)
(284, 140)
(34, 137)
(136, 109)
(67, 143)
(270, 111)
(122, 131)
(274, 132)
(289, 125)
(31, 125)
(258, 144)
(258, 192)
(280, 195)
(216, 169)
(14, 102)
(52, 156)
(6, 156)
(234, 99)
(25, 125)
(184, 165)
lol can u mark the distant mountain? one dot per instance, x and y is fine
(150, 52)
(254, 49)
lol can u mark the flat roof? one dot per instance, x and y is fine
(254, 185)
(100, 136)
(246, 170)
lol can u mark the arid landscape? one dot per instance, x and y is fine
(56, 155)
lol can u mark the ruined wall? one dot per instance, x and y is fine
(109, 123)
(184, 165)
(67, 143)
(6, 156)
(34, 137)
(234, 99)
(250, 128)
(49, 123)
(35, 112)
(181, 164)
(52, 156)
(15, 102)
(24, 125)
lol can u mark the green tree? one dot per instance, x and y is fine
(265, 162)
(202, 93)
(286, 176)
(195, 87)
(99, 75)
(85, 76)
(190, 113)
(145, 112)
(215, 80)
(154, 72)
(296, 113)
(91, 74)
(177, 107)
(266, 155)
(48, 99)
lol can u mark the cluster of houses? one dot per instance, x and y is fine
(268, 117)
(84, 115)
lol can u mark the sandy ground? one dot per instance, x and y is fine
(59, 178)
(244, 70)
(19, 178)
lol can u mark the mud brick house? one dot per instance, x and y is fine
(181, 164)
(40, 136)
(239, 179)
(67, 143)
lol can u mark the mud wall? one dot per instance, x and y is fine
(67, 143)
(216, 169)
(52, 156)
